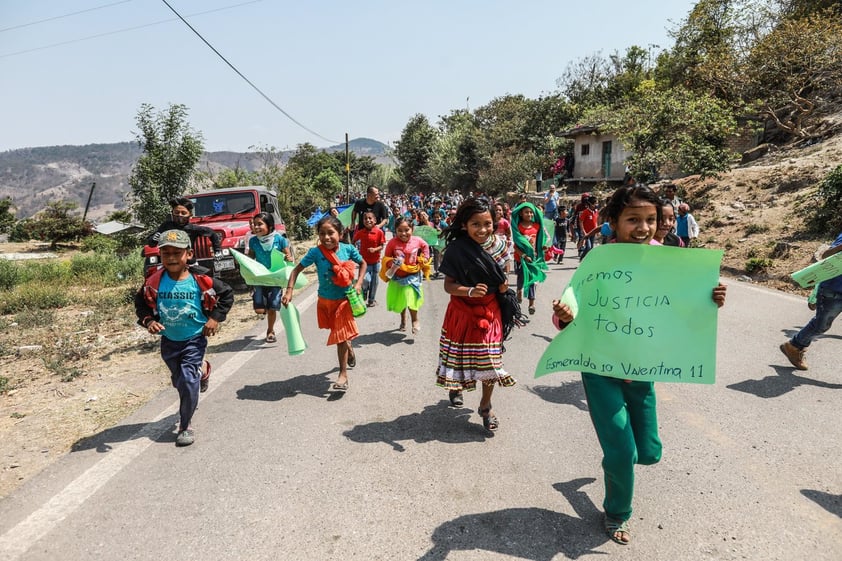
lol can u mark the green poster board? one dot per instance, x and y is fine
(818, 272)
(642, 313)
(256, 274)
(429, 235)
(345, 216)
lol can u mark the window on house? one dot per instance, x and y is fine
(586, 149)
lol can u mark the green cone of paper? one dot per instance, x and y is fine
(277, 274)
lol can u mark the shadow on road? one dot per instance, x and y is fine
(438, 422)
(317, 385)
(230, 346)
(831, 503)
(568, 393)
(385, 338)
(775, 386)
(161, 431)
(526, 533)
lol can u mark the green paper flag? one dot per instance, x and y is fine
(256, 274)
(818, 272)
(549, 226)
(345, 216)
(641, 313)
(429, 235)
(292, 327)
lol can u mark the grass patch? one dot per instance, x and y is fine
(4, 384)
(757, 264)
(33, 317)
(756, 229)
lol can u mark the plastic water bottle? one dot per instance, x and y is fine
(396, 264)
(356, 301)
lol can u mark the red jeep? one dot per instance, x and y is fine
(227, 211)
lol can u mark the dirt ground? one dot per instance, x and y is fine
(113, 367)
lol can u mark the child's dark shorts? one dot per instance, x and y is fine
(266, 298)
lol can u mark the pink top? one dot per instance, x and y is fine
(409, 250)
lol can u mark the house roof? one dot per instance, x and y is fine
(580, 130)
(114, 227)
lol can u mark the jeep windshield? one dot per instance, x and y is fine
(208, 206)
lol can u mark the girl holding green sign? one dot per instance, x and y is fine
(623, 412)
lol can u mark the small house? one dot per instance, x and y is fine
(597, 156)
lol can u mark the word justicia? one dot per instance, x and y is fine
(598, 300)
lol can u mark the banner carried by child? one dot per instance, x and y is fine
(640, 313)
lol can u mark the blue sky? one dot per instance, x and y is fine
(361, 67)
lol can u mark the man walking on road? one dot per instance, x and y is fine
(371, 202)
(828, 307)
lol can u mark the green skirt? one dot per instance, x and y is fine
(400, 297)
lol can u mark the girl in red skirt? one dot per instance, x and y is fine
(475, 325)
(333, 309)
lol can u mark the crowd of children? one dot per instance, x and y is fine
(482, 239)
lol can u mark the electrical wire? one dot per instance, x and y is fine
(63, 16)
(107, 33)
(249, 82)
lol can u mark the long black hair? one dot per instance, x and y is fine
(333, 221)
(267, 219)
(468, 208)
(624, 196)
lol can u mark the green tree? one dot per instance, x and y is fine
(507, 170)
(123, 216)
(171, 151)
(7, 217)
(56, 224)
(456, 159)
(792, 68)
(677, 127)
(414, 151)
(827, 214)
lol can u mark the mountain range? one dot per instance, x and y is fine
(34, 177)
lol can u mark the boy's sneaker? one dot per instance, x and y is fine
(795, 355)
(185, 438)
(205, 379)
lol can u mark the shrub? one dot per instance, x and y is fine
(99, 244)
(755, 228)
(757, 264)
(38, 296)
(29, 318)
(9, 274)
(4, 384)
(828, 208)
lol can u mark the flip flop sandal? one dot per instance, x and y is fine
(402, 327)
(489, 421)
(456, 399)
(270, 337)
(613, 526)
(352, 360)
(205, 379)
(343, 387)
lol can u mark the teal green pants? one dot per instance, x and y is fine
(626, 422)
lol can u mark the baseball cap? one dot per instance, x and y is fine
(175, 238)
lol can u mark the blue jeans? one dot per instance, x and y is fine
(828, 306)
(184, 359)
(370, 281)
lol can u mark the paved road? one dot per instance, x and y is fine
(283, 469)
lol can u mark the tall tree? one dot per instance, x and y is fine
(7, 217)
(414, 151)
(171, 152)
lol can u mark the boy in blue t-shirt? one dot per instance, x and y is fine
(828, 307)
(184, 308)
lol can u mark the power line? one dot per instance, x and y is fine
(53, 45)
(63, 16)
(249, 82)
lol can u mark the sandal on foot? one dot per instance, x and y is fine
(489, 421)
(205, 379)
(402, 327)
(615, 528)
(270, 337)
(343, 387)
(352, 359)
(456, 398)
(531, 310)
(416, 327)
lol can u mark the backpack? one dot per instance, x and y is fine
(153, 281)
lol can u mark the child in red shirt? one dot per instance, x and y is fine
(370, 241)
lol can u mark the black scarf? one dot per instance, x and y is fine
(469, 264)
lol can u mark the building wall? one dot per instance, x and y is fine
(589, 166)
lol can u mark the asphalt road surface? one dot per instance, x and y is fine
(284, 468)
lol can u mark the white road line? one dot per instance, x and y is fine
(18, 539)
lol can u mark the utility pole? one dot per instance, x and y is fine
(347, 171)
(88, 204)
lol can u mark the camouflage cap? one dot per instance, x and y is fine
(174, 238)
